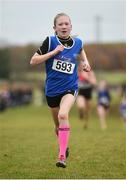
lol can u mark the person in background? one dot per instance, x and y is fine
(122, 89)
(123, 109)
(59, 53)
(103, 102)
(87, 81)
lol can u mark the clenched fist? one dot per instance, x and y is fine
(59, 48)
(86, 66)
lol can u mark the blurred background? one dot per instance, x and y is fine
(24, 24)
(28, 146)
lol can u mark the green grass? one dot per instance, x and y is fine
(112, 77)
(28, 146)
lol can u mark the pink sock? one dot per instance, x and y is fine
(63, 137)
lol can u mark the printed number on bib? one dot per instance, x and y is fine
(61, 66)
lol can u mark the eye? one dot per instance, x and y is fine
(66, 24)
(60, 24)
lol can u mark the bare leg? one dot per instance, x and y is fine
(55, 112)
(102, 116)
(81, 105)
(83, 108)
(87, 106)
(64, 129)
(65, 106)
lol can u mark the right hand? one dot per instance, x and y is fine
(59, 49)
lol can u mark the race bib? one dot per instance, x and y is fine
(104, 100)
(63, 66)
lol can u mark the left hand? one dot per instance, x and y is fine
(86, 66)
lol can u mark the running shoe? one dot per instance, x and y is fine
(61, 162)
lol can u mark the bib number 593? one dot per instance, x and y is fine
(61, 66)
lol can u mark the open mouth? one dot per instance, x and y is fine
(64, 32)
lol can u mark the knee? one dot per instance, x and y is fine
(62, 116)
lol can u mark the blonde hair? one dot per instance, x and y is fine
(59, 15)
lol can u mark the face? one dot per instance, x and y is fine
(102, 85)
(63, 27)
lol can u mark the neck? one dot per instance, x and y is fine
(65, 38)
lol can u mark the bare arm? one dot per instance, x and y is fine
(92, 78)
(85, 63)
(38, 59)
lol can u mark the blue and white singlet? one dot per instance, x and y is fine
(61, 69)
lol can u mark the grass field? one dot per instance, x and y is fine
(113, 77)
(28, 146)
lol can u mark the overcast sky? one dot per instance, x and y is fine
(25, 21)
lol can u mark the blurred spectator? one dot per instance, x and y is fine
(103, 102)
(2, 103)
(123, 109)
(122, 89)
(20, 94)
(15, 95)
(86, 83)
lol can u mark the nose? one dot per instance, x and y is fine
(64, 26)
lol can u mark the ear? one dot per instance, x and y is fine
(54, 27)
(71, 26)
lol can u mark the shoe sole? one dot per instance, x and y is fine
(60, 164)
